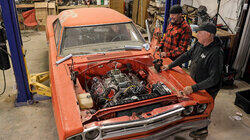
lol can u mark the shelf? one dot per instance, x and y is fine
(61, 7)
(80, 6)
(220, 33)
(25, 5)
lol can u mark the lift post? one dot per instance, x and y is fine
(168, 4)
(27, 84)
(15, 45)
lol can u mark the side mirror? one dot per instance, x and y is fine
(148, 31)
(146, 46)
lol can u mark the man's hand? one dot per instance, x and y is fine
(164, 67)
(163, 54)
(187, 90)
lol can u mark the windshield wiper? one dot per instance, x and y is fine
(116, 49)
(128, 48)
(85, 53)
(132, 47)
(64, 59)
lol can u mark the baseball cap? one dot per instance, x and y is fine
(206, 26)
(175, 9)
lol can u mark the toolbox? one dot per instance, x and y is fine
(242, 100)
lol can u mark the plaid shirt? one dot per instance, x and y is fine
(176, 39)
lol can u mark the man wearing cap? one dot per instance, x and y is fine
(206, 64)
(178, 35)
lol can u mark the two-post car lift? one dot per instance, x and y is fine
(27, 85)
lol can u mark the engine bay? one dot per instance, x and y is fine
(117, 88)
(120, 82)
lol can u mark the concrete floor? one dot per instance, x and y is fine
(37, 121)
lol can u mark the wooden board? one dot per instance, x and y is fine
(140, 14)
(117, 5)
(25, 5)
(51, 8)
(135, 11)
(41, 4)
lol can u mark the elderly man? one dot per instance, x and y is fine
(206, 64)
(178, 35)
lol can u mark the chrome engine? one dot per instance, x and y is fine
(114, 86)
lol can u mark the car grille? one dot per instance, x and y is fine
(142, 125)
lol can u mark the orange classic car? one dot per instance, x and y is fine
(105, 85)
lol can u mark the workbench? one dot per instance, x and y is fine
(222, 34)
(19, 6)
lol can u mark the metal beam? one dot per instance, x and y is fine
(168, 4)
(166, 15)
(10, 18)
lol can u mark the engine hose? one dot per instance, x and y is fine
(121, 92)
(86, 85)
(128, 88)
(117, 95)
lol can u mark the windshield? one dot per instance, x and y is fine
(85, 40)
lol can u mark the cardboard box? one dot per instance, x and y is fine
(41, 12)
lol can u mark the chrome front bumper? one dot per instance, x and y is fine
(107, 131)
(188, 126)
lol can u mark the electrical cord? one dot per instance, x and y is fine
(4, 78)
(4, 88)
(1, 44)
(5, 52)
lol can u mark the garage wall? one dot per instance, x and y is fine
(229, 9)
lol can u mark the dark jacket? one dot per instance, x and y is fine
(206, 65)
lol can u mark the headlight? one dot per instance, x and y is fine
(92, 134)
(201, 108)
(188, 110)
